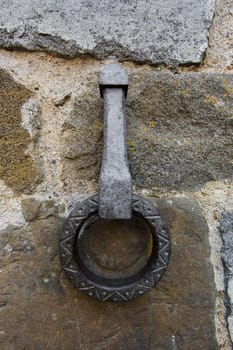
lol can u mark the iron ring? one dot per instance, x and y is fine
(107, 289)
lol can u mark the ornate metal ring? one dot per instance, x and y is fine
(103, 288)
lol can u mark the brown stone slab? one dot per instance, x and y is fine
(41, 310)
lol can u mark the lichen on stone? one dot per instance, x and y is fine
(17, 168)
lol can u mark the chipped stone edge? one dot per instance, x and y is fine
(26, 38)
(226, 251)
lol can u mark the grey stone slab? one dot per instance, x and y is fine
(162, 31)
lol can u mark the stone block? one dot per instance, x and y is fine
(165, 31)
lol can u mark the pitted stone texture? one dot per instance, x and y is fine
(220, 50)
(41, 310)
(31, 111)
(180, 129)
(10, 210)
(165, 31)
(81, 139)
(32, 208)
(226, 230)
(17, 168)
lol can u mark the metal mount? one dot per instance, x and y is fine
(115, 201)
(115, 188)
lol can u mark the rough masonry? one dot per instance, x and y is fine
(179, 135)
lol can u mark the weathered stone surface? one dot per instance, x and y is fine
(216, 198)
(226, 230)
(35, 312)
(17, 168)
(220, 50)
(33, 208)
(180, 130)
(10, 210)
(41, 310)
(30, 208)
(172, 32)
(181, 306)
(81, 139)
(31, 111)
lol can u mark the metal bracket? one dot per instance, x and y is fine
(115, 189)
(114, 201)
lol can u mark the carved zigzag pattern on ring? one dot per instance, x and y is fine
(78, 215)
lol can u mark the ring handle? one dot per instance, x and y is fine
(107, 289)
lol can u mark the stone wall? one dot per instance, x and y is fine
(179, 131)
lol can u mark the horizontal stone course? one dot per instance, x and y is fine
(165, 31)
